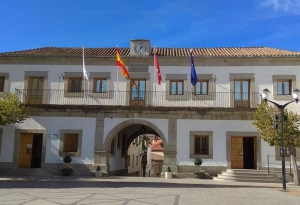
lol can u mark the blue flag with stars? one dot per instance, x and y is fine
(194, 78)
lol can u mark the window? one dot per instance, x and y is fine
(137, 161)
(2, 80)
(201, 145)
(71, 143)
(100, 85)
(286, 151)
(284, 87)
(176, 87)
(201, 87)
(75, 84)
(112, 147)
(132, 161)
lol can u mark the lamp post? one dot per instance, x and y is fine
(265, 94)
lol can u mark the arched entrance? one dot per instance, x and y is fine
(127, 131)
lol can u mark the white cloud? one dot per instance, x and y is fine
(288, 6)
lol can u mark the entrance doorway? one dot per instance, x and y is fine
(30, 153)
(243, 152)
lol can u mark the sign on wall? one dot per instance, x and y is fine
(53, 136)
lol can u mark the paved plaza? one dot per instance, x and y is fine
(142, 191)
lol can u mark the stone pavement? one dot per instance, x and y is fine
(142, 191)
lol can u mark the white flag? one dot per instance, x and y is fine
(85, 76)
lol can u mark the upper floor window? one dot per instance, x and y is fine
(201, 88)
(201, 145)
(100, 85)
(2, 80)
(176, 87)
(75, 84)
(71, 143)
(284, 87)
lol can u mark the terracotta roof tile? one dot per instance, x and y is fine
(155, 146)
(163, 52)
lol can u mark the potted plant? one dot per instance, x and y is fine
(198, 174)
(67, 159)
(168, 173)
(67, 170)
(98, 172)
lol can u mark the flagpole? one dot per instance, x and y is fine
(84, 72)
(154, 70)
(117, 76)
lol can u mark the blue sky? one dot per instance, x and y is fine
(181, 24)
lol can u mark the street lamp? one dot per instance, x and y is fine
(265, 94)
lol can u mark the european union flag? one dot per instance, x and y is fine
(194, 78)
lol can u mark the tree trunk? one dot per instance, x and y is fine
(294, 164)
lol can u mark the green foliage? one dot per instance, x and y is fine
(11, 110)
(67, 159)
(198, 161)
(169, 169)
(98, 168)
(263, 120)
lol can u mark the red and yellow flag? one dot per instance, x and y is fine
(121, 63)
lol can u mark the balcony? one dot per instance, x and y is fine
(138, 99)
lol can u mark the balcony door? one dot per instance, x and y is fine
(35, 92)
(241, 93)
(137, 93)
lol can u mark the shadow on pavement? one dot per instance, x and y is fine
(116, 184)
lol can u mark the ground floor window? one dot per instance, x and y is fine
(201, 144)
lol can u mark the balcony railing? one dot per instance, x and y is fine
(138, 98)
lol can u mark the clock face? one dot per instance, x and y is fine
(139, 48)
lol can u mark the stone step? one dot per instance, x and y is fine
(24, 172)
(249, 180)
(248, 175)
(254, 171)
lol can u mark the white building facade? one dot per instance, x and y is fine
(95, 120)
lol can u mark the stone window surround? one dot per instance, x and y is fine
(287, 158)
(61, 143)
(230, 134)
(5, 89)
(138, 75)
(67, 76)
(103, 75)
(210, 95)
(241, 76)
(210, 143)
(170, 77)
(275, 78)
(29, 74)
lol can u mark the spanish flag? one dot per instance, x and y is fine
(121, 63)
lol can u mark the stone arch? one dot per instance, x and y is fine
(111, 135)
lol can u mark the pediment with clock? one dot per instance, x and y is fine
(140, 47)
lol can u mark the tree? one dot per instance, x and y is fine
(12, 110)
(264, 123)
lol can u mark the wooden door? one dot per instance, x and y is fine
(35, 93)
(241, 93)
(237, 153)
(25, 150)
(138, 92)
